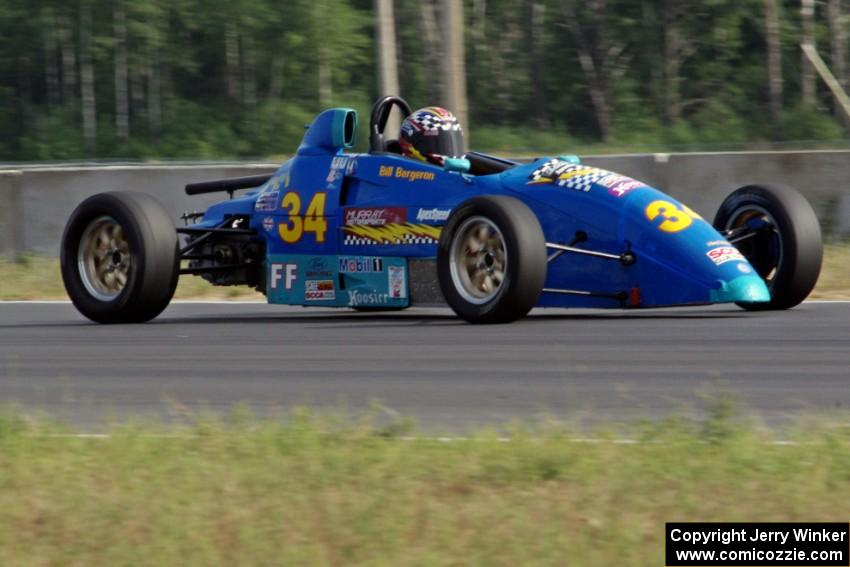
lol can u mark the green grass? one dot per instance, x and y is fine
(311, 491)
(35, 277)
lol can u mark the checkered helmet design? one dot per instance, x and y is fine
(431, 134)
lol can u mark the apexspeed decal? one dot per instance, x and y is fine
(432, 215)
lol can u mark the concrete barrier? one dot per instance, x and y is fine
(10, 237)
(703, 180)
(46, 197)
(35, 203)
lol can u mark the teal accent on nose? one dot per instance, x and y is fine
(744, 289)
(459, 165)
(573, 159)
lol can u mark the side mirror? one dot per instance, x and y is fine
(457, 165)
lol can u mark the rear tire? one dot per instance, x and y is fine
(491, 260)
(789, 253)
(120, 258)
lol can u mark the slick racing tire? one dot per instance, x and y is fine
(784, 245)
(491, 260)
(120, 258)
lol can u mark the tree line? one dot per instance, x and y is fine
(237, 78)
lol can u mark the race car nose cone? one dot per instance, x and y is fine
(744, 289)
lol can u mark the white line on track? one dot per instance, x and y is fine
(461, 439)
(260, 302)
(178, 301)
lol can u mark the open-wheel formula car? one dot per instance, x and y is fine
(490, 237)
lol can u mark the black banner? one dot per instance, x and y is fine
(758, 545)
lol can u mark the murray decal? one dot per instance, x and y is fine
(364, 216)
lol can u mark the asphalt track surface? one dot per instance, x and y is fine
(578, 365)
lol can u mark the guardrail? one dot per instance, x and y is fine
(36, 202)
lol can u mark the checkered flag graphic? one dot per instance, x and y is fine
(352, 240)
(565, 174)
(583, 182)
(429, 121)
(544, 172)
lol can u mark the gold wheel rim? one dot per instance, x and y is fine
(478, 260)
(104, 259)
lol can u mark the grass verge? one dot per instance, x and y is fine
(311, 491)
(36, 277)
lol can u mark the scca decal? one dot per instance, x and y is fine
(724, 254)
(319, 290)
(675, 219)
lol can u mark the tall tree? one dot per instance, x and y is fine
(454, 67)
(535, 30)
(89, 109)
(232, 60)
(678, 47)
(51, 69)
(69, 55)
(807, 78)
(838, 47)
(325, 63)
(601, 57)
(433, 47)
(122, 104)
(387, 63)
(774, 66)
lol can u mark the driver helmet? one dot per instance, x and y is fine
(431, 134)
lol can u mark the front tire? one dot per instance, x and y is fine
(120, 258)
(786, 247)
(491, 260)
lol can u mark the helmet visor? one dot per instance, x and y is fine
(447, 143)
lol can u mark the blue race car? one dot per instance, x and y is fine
(490, 237)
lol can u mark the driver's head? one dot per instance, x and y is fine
(431, 134)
